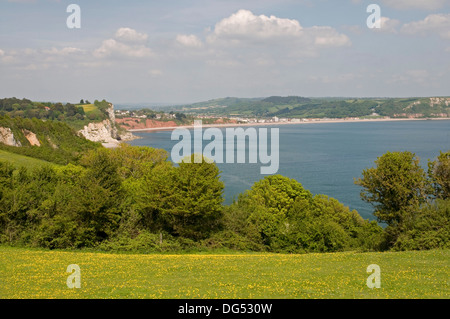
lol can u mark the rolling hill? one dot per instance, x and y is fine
(301, 107)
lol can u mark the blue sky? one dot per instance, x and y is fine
(187, 51)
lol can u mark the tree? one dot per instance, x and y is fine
(81, 101)
(396, 185)
(185, 200)
(324, 225)
(70, 109)
(136, 161)
(103, 169)
(180, 116)
(439, 175)
(280, 215)
(428, 228)
(268, 204)
(277, 193)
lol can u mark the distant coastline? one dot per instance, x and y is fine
(315, 121)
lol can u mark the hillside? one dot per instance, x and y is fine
(215, 106)
(51, 141)
(95, 121)
(300, 107)
(75, 115)
(21, 160)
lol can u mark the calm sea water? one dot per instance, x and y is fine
(326, 157)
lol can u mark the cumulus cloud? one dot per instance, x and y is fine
(112, 47)
(328, 37)
(62, 52)
(244, 27)
(126, 43)
(5, 58)
(191, 40)
(244, 24)
(415, 4)
(388, 25)
(127, 35)
(433, 24)
(35, 67)
(35, 59)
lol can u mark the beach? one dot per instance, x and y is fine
(315, 121)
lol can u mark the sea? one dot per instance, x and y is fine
(326, 158)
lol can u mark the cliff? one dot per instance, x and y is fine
(7, 137)
(103, 132)
(106, 131)
(52, 141)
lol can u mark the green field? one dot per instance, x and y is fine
(29, 273)
(88, 107)
(21, 160)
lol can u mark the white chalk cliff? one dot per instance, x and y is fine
(99, 132)
(7, 137)
(105, 131)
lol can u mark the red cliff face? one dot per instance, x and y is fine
(134, 123)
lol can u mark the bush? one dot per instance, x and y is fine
(279, 215)
(147, 242)
(427, 228)
(231, 240)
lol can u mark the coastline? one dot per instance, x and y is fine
(170, 128)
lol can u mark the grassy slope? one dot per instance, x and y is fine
(21, 160)
(88, 107)
(29, 273)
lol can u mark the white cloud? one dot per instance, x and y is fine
(22, 1)
(415, 4)
(433, 24)
(95, 64)
(328, 37)
(339, 79)
(419, 76)
(9, 59)
(35, 67)
(41, 59)
(62, 52)
(243, 27)
(223, 63)
(112, 47)
(244, 24)
(127, 43)
(128, 35)
(155, 72)
(191, 40)
(388, 25)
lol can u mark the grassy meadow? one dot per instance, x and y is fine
(31, 273)
(88, 107)
(21, 160)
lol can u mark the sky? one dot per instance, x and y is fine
(185, 51)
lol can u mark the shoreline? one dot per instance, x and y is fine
(170, 128)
